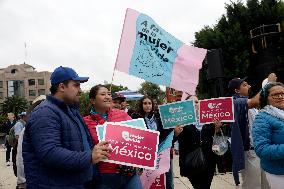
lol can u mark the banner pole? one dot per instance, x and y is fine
(118, 50)
(112, 79)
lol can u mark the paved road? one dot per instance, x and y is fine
(8, 180)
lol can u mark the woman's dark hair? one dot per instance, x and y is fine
(265, 92)
(54, 87)
(94, 91)
(140, 106)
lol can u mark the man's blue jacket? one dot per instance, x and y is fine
(56, 147)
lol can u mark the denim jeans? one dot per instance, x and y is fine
(118, 181)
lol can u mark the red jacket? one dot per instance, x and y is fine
(114, 115)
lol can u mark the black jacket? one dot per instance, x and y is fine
(189, 140)
(8, 125)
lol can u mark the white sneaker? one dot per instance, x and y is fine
(8, 163)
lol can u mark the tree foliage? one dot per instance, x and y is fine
(152, 90)
(3, 118)
(116, 88)
(15, 104)
(231, 34)
(84, 103)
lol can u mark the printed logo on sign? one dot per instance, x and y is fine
(214, 105)
(131, 137)
(175, 109)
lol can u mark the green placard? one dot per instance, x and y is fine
(177, 113)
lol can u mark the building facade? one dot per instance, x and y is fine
(24, 81)
(173, 95)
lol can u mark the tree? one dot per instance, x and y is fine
(15, 104)
(232, 35)
(3, 118)
(116, 88)
(152, 90)
(84, 103)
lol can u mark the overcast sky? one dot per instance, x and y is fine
(85, 34)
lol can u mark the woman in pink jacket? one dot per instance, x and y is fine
(111, 176)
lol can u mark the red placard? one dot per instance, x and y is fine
(132, 146)
(216, 108)
(160, 182)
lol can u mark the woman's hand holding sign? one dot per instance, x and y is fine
(100, 152)
(178, 130)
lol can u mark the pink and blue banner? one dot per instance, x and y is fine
(162, 164)
(149, 52)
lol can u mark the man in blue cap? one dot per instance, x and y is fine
(241, 144)
(57, 148)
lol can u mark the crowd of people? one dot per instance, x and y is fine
(53, 146)
(13, 128)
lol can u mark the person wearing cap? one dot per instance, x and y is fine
(20, 124)
(18, 127)
(240, 140)
(21, 180)
(117, 101)
(57, 149)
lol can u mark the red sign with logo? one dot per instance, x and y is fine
(132, 146)
(216, 108)
(160, 182)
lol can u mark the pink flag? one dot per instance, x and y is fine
(163, 165)
(148, 51)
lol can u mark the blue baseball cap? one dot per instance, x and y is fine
(61, 74)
